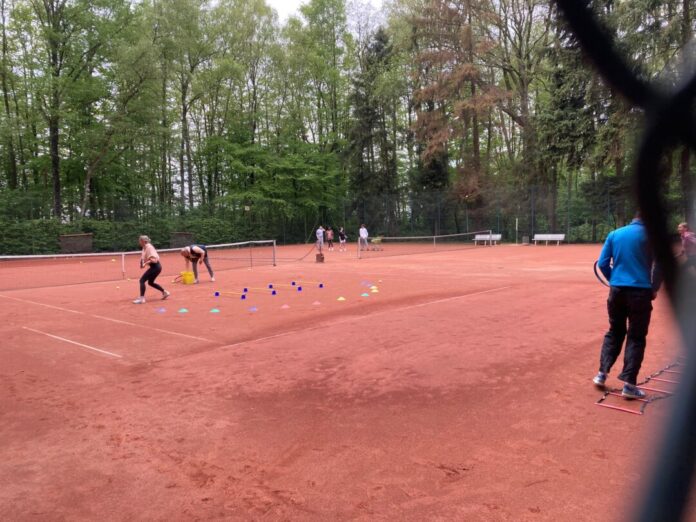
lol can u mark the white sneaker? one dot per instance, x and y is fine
(139, 300)
(195, 282)
(165, 294)
(212, 279)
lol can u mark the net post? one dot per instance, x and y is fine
(251, 256)
(123, 265)
(435, 242)
(274, 252)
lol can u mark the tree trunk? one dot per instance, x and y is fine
(685, 160)
(54, 139)
(182, 144)
(11, 159)
(686, 184)
(165, 189)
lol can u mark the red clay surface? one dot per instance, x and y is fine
(460, 390)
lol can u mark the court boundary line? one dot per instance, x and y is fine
(88, 347)
(356, 317)
(110, 319)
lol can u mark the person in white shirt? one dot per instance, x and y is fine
(320, 238)
(363, 237)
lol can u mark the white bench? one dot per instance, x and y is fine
(549, 237)
(487, 238)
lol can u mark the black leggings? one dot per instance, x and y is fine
(149, 276)
(194, 265)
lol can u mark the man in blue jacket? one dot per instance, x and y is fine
(626, 261)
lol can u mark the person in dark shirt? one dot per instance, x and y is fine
(342, 240)
(195, 254)
(627, 263)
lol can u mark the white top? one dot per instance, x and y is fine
(320, 233)
(363, 232)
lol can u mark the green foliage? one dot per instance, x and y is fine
(213, 118)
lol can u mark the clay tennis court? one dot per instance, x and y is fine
(459, 390)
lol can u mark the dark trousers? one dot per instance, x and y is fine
(149, 277)
(632, 306)
(194, 266)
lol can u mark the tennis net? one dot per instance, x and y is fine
(37, 271)
(404, 245)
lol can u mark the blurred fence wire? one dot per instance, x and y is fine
(670, 121)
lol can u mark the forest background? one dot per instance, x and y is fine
(122, 117)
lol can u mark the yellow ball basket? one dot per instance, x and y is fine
(187, 278)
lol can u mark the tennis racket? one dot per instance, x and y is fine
(600, 277)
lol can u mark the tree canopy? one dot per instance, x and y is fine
(433, 116)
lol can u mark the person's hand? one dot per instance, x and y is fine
(142, 263)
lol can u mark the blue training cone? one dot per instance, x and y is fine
(273, 292)
(243, 297)
(299, 288)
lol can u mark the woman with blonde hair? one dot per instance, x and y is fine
(149, 258)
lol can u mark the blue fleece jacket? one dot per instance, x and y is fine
(626, 258)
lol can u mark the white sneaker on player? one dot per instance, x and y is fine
(139, 300)
(212, 279)
(165, 294)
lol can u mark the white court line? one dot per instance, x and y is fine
(109, 319)
(155, 329)
(355, 318)
(73, 342)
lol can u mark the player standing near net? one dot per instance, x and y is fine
(627, 263)
(688, 240)
(320, 238)
(342, 240)
(362, 239)
(195, 254)
(150, 259)
(329, 238)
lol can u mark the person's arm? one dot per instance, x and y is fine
(604, 262)
(656, 278)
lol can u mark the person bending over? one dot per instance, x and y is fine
(195, 254)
